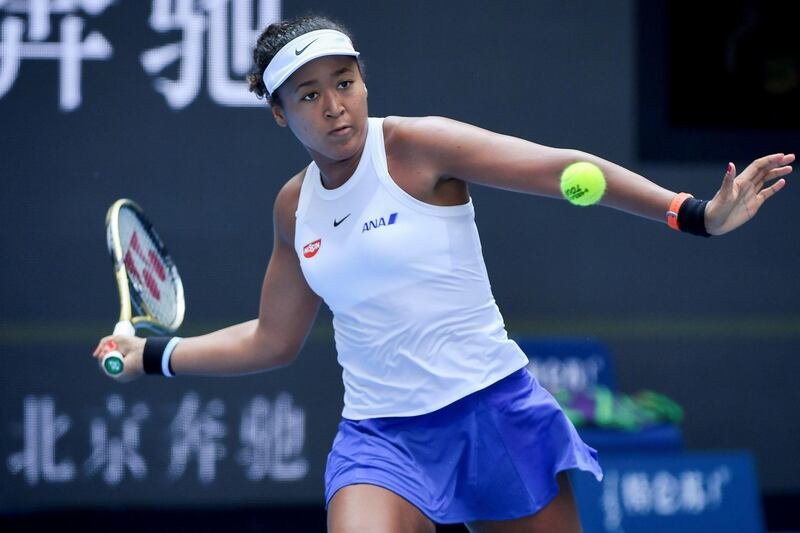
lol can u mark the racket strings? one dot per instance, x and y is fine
(150, 272)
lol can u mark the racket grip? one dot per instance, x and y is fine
(113, 363)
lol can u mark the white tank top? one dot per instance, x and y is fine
(415, 322)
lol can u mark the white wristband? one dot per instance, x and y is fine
(165, 357)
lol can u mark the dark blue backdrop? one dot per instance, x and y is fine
(712, 323)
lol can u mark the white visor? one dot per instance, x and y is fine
(299, 51)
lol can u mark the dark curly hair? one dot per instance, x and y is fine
(275, 37)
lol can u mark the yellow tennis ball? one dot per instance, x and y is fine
(583, 183)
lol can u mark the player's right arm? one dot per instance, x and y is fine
(287, 310)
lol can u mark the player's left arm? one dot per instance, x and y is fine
(448, 148)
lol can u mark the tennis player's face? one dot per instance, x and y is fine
(324, 103)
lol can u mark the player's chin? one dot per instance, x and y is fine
(344, 138)
(340, 149)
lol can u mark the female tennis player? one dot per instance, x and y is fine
(441, 420)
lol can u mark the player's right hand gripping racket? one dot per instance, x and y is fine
(150, 290)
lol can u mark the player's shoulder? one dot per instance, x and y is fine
(417, 132)
(286, 203)
(404, 127)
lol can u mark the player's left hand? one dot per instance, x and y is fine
(740, 197)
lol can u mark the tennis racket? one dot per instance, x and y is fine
(150, 289)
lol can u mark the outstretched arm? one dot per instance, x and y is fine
(446, 148)
(287, 311)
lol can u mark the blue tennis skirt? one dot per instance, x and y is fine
(492, 455)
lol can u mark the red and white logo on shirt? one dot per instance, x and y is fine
(311, 249)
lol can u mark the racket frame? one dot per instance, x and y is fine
(128, 304)
(113, 362)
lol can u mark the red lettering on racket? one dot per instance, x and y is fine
(157, 266)
(311, 249)
(150, 263)
(151, 285)
(131, 266)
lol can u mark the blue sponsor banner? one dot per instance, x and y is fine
(572, 364)
(673, 492)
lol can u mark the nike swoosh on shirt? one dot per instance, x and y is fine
(337, 222)
(298, 52)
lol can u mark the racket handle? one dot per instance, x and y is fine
(113, 363)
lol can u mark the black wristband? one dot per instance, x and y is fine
(692, 217)
(153, 350)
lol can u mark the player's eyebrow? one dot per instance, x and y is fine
(337, 72)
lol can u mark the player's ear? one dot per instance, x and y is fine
(277, 112)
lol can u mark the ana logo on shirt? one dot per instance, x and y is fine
(311, 249)
(378, 222)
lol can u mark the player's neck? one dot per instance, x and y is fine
(335, 173)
